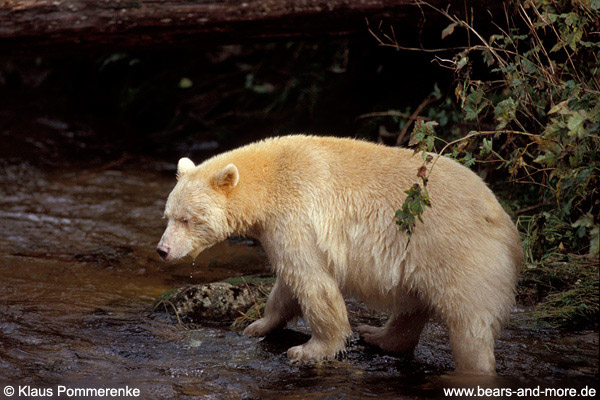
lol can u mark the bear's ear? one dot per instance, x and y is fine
(183, 166)
(228, 177)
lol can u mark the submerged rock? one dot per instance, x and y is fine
(219, 302)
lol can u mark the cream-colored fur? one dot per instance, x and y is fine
(323, 209)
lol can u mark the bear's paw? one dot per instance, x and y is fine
(314, 350)
(259, 328)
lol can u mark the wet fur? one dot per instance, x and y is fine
(323, 209)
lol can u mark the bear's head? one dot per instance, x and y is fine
(196, 210)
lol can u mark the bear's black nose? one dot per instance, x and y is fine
(163, 252)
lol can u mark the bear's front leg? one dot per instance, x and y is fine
(280, 308)
(324, 309)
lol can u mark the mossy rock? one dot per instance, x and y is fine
(224, 302)
(256, 280)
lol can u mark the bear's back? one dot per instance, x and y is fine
(357, 179)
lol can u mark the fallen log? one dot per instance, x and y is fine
(134, 23)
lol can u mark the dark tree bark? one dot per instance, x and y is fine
(126, 23)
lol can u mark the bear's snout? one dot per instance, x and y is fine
(163, 252)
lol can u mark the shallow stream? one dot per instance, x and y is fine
(79, 275)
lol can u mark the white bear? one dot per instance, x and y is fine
(323, 209)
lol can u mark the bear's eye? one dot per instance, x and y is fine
(185, 221)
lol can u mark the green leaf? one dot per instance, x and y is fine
(412, 209)
(486, 147)
(584, 221)
(449, 30)
(423, 135)
(571, 18)
(468, 160)
(475, 102)
(575, 124)
(185, 83)
(559, 107)
(505, 112)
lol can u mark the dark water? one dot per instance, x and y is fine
(78, 277)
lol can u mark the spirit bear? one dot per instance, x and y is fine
(323, 209)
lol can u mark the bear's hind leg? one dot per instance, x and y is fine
(281, 307)
(472, 345)
(400, 334)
